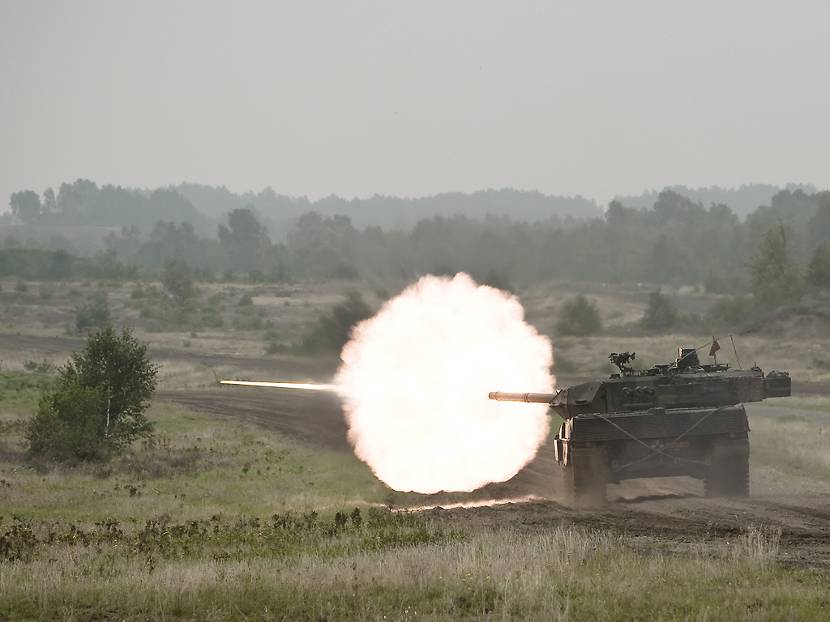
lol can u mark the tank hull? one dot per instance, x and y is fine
(710, 444)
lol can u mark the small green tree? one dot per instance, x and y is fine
(775, 278)
(99, 400)
(178, 281)
(579, 316)
(332, 331)
(660, 312)
(94, 314)
(819, 270)
(67, 423)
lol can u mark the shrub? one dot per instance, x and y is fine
(178, 281)
(21, 287)
(245, 300)
(257, 276)
(333, 330)
(94, 314)
(67, 423)
(42, 367)
(732, 311)
(819, 270)
(660, 312)
(99, 400)
(776, 279)
(579, 316)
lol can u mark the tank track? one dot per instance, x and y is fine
(728, 472)
(584, 478)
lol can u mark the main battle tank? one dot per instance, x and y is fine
(682, 418)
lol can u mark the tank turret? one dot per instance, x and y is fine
(676, 385)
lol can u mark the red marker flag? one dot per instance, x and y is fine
(715, 347)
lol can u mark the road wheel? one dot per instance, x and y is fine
(728, 472)
(584, 478)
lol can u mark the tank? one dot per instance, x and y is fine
(679, 419)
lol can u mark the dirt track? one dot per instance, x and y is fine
(669, 510)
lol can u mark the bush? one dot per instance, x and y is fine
(660, 312)
(99, 400)
(579, 316)
(333, 330)
(819, 270)
(94, 314)
(178, 281)
(776, 280)
(68, 423)
(732, 311)
(21, 287)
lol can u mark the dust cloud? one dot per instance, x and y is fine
(414, 380)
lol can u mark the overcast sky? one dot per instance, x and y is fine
(413, 98)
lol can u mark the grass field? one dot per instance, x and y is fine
(219, 519)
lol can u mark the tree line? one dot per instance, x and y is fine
(674, 242)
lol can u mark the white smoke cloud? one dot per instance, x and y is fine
(415, 378)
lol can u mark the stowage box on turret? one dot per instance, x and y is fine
(682, 418)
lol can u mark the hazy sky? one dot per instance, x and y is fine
(414, 98)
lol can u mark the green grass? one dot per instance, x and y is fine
(217, 519)
(198, 466)
(20, 391)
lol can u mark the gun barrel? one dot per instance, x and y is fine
(533, 398)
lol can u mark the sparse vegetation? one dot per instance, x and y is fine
(733, 311)
(819, 270)
(178, 281)
(660, 313)
(579, 316)
(176, 525)
(775, 278)
(332, 330)
(94, 314)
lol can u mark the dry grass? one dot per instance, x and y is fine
(565, 573)
(287, 311)
(789, 455)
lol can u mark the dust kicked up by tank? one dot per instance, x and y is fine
(415, 380)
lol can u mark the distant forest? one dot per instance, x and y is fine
(743, 200)
(505, 237)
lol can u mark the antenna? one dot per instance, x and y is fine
(737, 358)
